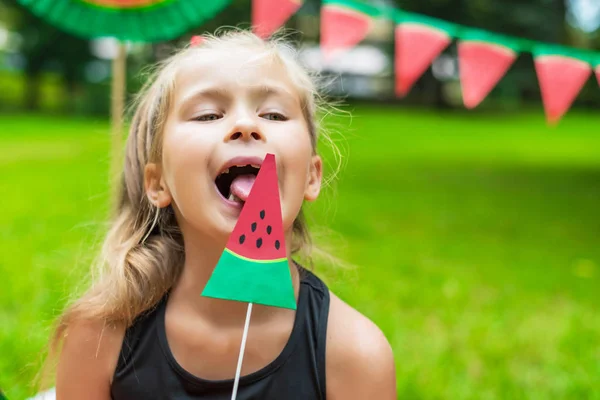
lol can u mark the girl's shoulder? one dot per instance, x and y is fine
(88, 358)
(360, 362)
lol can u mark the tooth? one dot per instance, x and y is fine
(231, 197)
(256, 166)
(226, 171)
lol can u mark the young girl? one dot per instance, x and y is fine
(143, 331)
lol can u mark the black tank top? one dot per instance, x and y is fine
(147, 369)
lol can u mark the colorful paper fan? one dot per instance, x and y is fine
(133, 20)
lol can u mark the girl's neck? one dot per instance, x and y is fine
(201, 257)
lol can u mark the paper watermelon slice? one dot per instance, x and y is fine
(254, 266)
(561, 78)
(270, 15)
(344, 24)
(483, 58)
(419, 40)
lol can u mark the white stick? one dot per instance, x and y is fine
(241, 357)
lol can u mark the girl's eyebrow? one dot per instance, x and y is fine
(219, 94)
(273, 90)
(270, 89)
(209, 93)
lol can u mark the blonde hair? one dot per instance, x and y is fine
(142, 255)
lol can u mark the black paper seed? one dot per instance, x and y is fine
(242, 238)
(253, 226)
(269, 230)
(277, 244)
(262, 214)
(258, 243)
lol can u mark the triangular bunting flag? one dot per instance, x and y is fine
(270, 15)
(483, 59)
(254, 266)
(561, 74)
(419, 40)
(344, 24)
(196, 40)
(598, 71)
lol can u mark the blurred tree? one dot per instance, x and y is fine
(43, 47)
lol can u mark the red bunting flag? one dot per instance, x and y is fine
(561, 76)
(196, 40)
(483, 60)
(598, 73)
(344, 24)
(419, 40)
(270, 15)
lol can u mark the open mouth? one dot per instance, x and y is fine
(235, 182)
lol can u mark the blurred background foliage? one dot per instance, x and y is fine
(42, 68)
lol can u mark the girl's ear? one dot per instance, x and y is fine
(156, 189)
(315, 177)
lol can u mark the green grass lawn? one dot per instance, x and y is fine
(475, 241)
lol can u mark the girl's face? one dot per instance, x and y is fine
(231, 109)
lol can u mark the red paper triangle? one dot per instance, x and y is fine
(270, 15)
(261, 218)
(561, 79)
(481, 66)
(254, 266)
(341, 29)
(598, 74)
(416, 47)
(196, 40)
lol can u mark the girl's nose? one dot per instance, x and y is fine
(245, 129)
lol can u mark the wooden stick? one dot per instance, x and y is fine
(241, 357)
(117, 114)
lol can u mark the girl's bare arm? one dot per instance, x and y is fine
(88, 360)
(360, 362)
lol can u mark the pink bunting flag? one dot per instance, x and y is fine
(561, 79)
(419, 40)
(196, 40)
(341, 29)
(270, 15)
(481, 66)
(598, 73)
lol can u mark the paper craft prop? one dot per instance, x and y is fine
(561, 77)
(270, 15)
(344, 24)
(196, 40)
(483, 59)
(136, 20)
(598, 71)
(419, 40)
(254, 266)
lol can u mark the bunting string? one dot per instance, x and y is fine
(484, 57)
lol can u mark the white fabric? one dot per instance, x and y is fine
(47, 395)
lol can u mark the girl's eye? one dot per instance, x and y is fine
(207, 117)
(274, 116)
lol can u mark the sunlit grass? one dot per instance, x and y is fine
(475, 239)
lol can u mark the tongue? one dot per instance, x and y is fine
(242, 185)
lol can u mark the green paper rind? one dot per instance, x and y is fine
(371, 11)
(254, 281)
(448, 28)
(479, 35)
(551, 50)
(152, 24)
